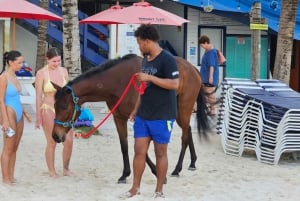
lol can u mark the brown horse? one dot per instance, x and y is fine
(107, 82)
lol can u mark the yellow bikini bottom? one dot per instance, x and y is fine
(46, 107)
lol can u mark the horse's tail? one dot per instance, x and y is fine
(202, 111)
(218, 100)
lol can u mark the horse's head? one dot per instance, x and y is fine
(66, 111)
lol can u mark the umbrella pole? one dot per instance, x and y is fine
(13, 40)
(117, 39)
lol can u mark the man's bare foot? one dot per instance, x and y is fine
(68, 173)
(129, 194)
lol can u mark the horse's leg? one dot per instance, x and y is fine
(183, 120)
(121, 125)
(184, 144)
(186, 140)
(192, 150)
(185, 108)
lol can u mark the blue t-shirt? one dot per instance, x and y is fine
(210, 58)
(158, 103)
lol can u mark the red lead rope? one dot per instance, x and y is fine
(133, 82)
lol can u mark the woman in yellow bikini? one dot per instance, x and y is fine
(45, 112)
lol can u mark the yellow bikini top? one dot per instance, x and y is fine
(48, 87)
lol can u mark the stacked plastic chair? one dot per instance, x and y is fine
(261, 115)
(237, 123)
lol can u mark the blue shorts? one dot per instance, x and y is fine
(158, 130)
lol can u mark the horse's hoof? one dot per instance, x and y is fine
(175, 174)
(192, 168)
(122, 181)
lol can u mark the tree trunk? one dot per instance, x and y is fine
(71, 42)
(284, 48)
(255, 42)
(41, 39)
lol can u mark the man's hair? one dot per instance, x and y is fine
(147, 31)
(204, 39)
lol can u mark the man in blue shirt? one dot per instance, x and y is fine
(156, 109)
(209, 71)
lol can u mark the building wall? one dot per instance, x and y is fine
(26, 43)
(122, 40)
(200, 18)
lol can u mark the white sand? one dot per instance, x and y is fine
(97, 162)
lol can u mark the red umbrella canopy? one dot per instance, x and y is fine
(145, 13)
(138, 13)
(104, 17)
(26, 10)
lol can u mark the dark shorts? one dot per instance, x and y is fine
(158, 130)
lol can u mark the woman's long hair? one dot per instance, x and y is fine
(9, 56)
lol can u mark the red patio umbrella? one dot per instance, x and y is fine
(139, 13)
(144, 13)
(104, 18)
(24, 10)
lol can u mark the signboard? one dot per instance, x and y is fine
(192, 55)
(254, 26)
(258, 23)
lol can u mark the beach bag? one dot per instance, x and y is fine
(221, 58)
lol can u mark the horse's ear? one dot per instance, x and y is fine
(55, 86)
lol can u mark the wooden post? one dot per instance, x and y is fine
(6, 35)
(6, 40)
(255, 41)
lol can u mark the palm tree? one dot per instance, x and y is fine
(285, 38)
(41, 39)
(71, 42)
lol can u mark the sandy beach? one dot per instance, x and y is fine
(97, 162)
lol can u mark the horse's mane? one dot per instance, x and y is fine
(102, 67)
